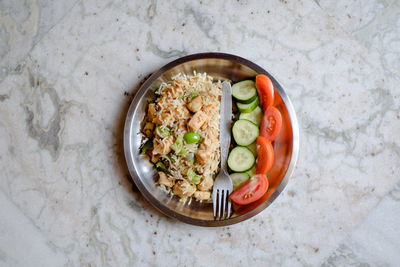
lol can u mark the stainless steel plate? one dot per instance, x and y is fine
(220, 66)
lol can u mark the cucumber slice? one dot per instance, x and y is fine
(247, 108)
(253, 148)
(238, 178)
(240, 159)
(245, 132)
(255, 116)
(252, 171)
(244, 91)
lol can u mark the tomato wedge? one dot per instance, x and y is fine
(265, 155)
(265, 90)
(250, 191)
(271, 124)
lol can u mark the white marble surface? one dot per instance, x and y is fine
(374, 23)
(376, 241)
(66, 198)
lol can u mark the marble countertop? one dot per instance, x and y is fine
(68, 70)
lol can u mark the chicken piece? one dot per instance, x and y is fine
(202, 195)
(148, 129)
(209, 109)
(164, 180)
(183, 189)
(155, 158)
(202, 156)
(204, 126)
(197, 120)
(152, 112)
(196, 104)
(206, 183)
(163, 147)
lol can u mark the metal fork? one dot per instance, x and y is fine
(223, 183)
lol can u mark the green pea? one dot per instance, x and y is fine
(191, 137)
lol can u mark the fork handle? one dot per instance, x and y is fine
(225, 123)
(224, 153)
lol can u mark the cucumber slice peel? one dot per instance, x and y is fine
(244, 91)
(247, 108)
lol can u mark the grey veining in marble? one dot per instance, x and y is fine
(69, 70)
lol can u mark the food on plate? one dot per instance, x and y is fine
(247, 108)
(265, 90)
(253, 148)
(244, 92)
(240, 159)
(271, 124)
(239, 178)
(252, 190)
(245, 132)
(258, 124)
(254, 116)
(265, 153)
(181, 132)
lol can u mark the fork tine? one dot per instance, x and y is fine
(219, 203)
(214, 200)
(223, 203)
(229, 205)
